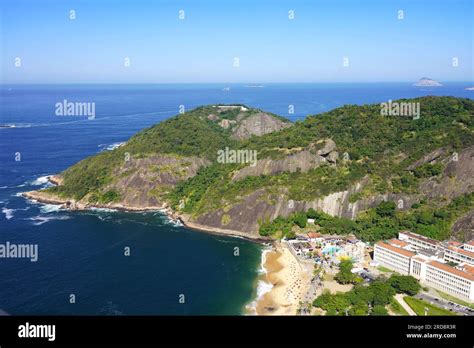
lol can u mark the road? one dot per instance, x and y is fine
(442, 303)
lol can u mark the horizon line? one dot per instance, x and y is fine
(251, 84)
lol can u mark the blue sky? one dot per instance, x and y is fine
(93, 47)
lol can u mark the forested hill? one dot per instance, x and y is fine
(342, 162)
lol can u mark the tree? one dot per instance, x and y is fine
(381, 293)
(312, 214)
(379, 310)
(333, 304)
(359, 309)
(404, 284)
(386, 209)
(300, 219)
(322, 300)
(345, 275)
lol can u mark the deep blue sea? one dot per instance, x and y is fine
(83, 253)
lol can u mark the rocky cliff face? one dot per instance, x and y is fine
(142, 182)
(303, 161)
(258, 124)
(174, 151)
(456, 180)
(463, 228)
(260, 205)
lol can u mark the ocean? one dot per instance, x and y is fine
(170, 269)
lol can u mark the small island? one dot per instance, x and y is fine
(427, 82)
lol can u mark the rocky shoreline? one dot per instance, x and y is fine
(72, 205)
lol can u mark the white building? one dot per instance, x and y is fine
(393, 257)
(426, 262)
(417, 241)
(458, 255)
(469, 246)
(458, 282)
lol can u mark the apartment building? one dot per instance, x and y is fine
(458, 255)
(429, 264)
(418, 241)
(393, 257)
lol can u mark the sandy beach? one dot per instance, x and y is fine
(290, 282)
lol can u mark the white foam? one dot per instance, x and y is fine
(8, 213)
(104, 210)
(262, 268)
(39, 220)
(170, 221)
(50, 208)
(113, 146)
(40, 181)
(263, 287)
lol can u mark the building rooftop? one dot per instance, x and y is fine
(397, 242)
(452, 270)
(314, 235)
(419, 259)
(395, 249)
(420, 237)
(461, 251)
(469, 269)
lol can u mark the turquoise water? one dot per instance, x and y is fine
(332, 249)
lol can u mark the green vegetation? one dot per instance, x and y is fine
(367, 299)
(283, 227)
(404, 284)
(379, 310)
(428, 170)
(379, 148)
(384, 269)
(455, 299)
(419, 307)
(384, 222)
(345, 276)
(397, 308)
